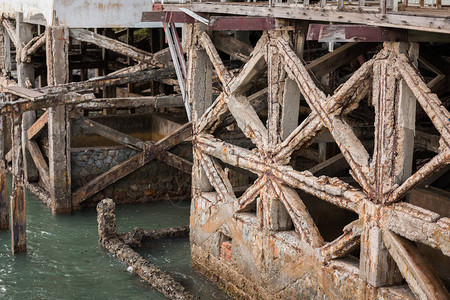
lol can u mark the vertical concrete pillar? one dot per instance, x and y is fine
(199, 88)
(25, 74)
(376, 265)
(291, 94)
(58, 122)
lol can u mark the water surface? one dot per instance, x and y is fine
(65, 261)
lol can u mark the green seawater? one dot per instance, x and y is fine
(65, 261)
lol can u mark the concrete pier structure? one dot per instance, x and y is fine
(316, 134)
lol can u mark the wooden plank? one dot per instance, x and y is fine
(419, 225)
(300, 216)
(355, 33)
(216, 177)
(4, 193)
(224, 75)
(416, 270)
(111, 44)
(331, 166)
(37, 126)
(237, 23)
(11, 30)
(232, 46)
(339, 57)
(345, 243)
(176, 161)
(431, 198)
(17, 204)
(40, 162)
(110, 133)
(44, 102)
(123, 169)
(253, 67)
(109, 80)
(23, 92)
(350, 146)
(134, 102)
(328, 14)
(248, 121)
(32, 46)
(291, 92)
(58, 122)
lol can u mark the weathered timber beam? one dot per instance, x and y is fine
(39, 192)
(129, 102)
(239, 23)
(232, 46)
(32, 46)
(331, 190)
(37, 126)
(428, 100)
(224, 75)
(110, 133)
(163, 57)
(353, 150)
(17, 199)
(254, 66)
(327, 14)
(216, 177)
(432, 167)
(123, 169)
(339, 57)
(416, 270)
(431, 198)
(238, 85)
(257, 101)
(100, 82)
(112, 44)
(353, 90)
(5, 83)
(345, 243)
(40, 162)
(334, 164)
(419, 225)
(303, 222)
(250, 194)
(176, 161)
(354, 33)
(112, 241)
(23, 92)
(4, 193)
(248, 120)
(11, 30)
(49, 100)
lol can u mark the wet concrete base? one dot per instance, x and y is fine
(267, 264)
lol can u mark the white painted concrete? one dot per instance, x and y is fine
(81, 13)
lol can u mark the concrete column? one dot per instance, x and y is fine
(291, 94)
(58, 122)
(199, 88)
